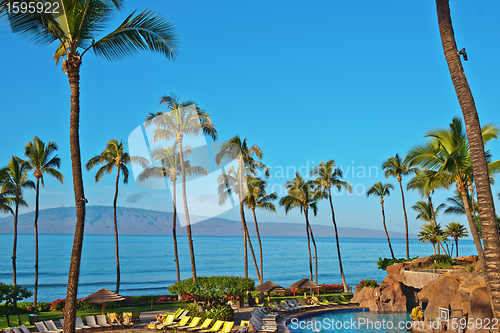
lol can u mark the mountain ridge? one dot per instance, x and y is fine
(135, 221)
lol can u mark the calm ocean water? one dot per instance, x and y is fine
(148, 267)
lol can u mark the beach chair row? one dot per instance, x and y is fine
(15, 320)
(195, 324)
(264, 321)
(302, 304)
(97, 322)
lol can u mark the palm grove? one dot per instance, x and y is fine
(78, 30)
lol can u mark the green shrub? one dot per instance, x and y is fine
(368, 283)
(386, 262)
(442, 259)
(469, 268)
(217, 312)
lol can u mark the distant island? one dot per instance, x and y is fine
(132, 221)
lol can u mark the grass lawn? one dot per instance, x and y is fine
(55, 315)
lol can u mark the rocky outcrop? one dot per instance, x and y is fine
(457, 290)
(396, 293)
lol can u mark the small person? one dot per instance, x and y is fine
(243, 327)
(159, 320)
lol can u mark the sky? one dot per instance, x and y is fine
(356, 82)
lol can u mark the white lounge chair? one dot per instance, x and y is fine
(43, 329)
(24, 329)
(101, 320)
(51, 326)
(16, 330)
(79, 324)
(62, 324)
(90, 321)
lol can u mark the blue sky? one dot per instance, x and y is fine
(354, 81)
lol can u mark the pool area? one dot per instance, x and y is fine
(350, 320)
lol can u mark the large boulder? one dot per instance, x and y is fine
(458, 290)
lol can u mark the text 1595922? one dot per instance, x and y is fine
(33, 7)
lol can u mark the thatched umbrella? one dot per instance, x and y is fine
(103, 296)
(304, 283)
(268, 287)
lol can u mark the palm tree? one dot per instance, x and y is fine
(433, 233)
(14, 183)
(40, 160)
(76, 27)
(171, 168)
(114, 156)
(456, 205)
(447, 154)
(231, 182)
(456, 231)
(257, 197)
(382, 190)
(6, 198)
(328, 176)
(237, 149)
(397, 167)
(302, 195)
(183, 118)
(478, 159)
(425, 211)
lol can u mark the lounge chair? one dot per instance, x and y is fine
(90, 321)
(305, 302)
(228, 325)
(79, 324)
(325, 300)
(136, 315)
(52, 326)
(13, 320)
(16, 330)
(179, 317)
(127, 320)
(24, 319)
(101, 320)
(6, 330)
(168, 320)
(178, 312)
(337, 299)
(244, 326)
(216, 327)
(114, 320)
(206, 323)
(24, 329)
(194, 323)
(259, 327)
(43, 329)
(292, 305)
(348, 300)
(182, 322)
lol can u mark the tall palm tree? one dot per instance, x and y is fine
(397, 167)
(114, 156)
(237, 149)
(182, 118)
(302, 195)
(15, 182)
(40, 160)
(328, 176)
(433, 233)
(478, 159)
(257, 197)
(77, 26)
(447, 154)
(382, 190)
(171, 168)
(231, 182)
(456, 206)
(456, 231)
(6, 198)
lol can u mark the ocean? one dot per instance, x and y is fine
(148, 267)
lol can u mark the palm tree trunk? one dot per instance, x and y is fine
(73, 72)
(35, 291)
(252, 251)
(386, 233)
(186, 210)
(245, 247)
(440, 245)
(434, 247)
(479, 165)
(344, 283)
(472, 227)
(309, 245)
(406, 220)
(260, 246)
(117, 255)
(473, 208)
(174, 234)
(14, 252)
(456, 244)
(315, 254)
